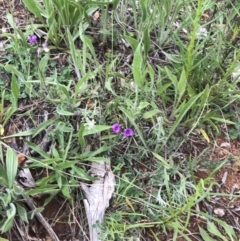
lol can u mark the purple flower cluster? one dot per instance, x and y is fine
(33, 39)
(127, 132)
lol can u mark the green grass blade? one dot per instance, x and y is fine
(11, 166)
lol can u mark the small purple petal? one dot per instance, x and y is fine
(128, 132)
(32, 39)
(116, 128)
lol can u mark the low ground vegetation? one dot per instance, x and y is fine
(152, 86)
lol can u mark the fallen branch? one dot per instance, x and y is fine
(98, 195)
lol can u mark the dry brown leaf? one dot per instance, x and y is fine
(21, 158)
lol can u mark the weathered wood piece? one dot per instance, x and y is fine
(98, 195)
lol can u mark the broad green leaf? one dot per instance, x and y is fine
(132, 41)
(22, 212)
(43, 64)
(205, 235)
(222, 120)
(10, 218)
(15, 89)
(11, 166)
(143, 105)
(150, 114)
(229, 230)
(137, 66)
(61, 111)
(146, 42)
(43, 190)
(11, 20)
(64, 165)
(80, 173)
(13, 70)
(37, 149)
(143, 10)
(96, 129)
(213, 229)
(74, 54)
(6, 198)
(65, 188)
(34, 7)
(20, 134)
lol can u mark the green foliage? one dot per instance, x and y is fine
(160, 69)
(10, 193)
(57, 16)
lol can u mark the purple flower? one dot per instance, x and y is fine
(128, 132)
(116, 128)
(32, 39)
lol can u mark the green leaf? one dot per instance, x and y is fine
(229, 230)
(64, 165)
(150, 114)
(20, 134)
(61, 111)
(146, 42)
(13, 70)
(181, 86)
(11, 166)
(10, 218)
(222, 120)
(37, 149)
(32, 213)
(22, 212)
(80, 173)
(11, 20)
(96, 129)
(15, 89)
(6, 198)
(205, 235)
(143, 105)
(42, 190)
(137, 66)
(132, 41)
(213, 229)
(65, 188)
(43, 64)
(34, 7)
